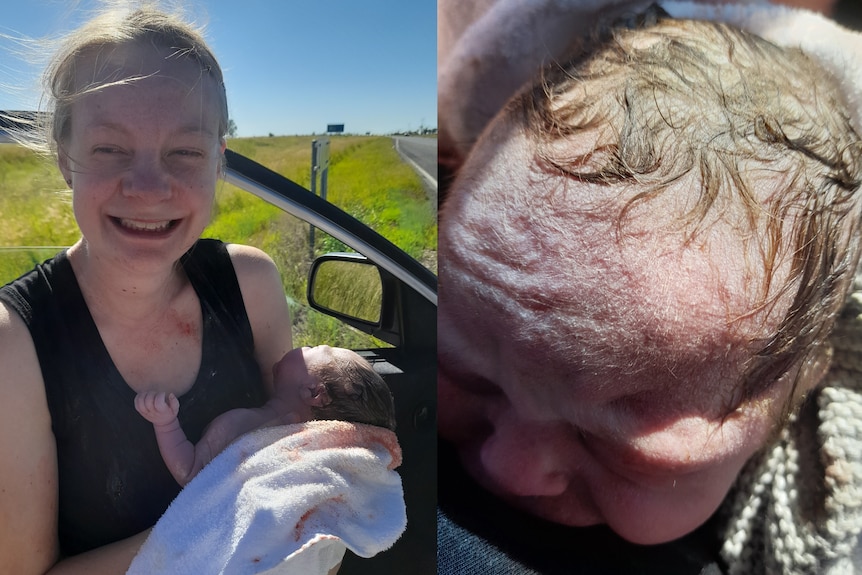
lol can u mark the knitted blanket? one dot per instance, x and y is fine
(797, 507)
(283, 500)
(489, 49)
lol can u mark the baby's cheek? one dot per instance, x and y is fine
(647, 515)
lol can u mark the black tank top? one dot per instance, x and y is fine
(112, 480)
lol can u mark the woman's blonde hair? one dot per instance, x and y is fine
(118, 24)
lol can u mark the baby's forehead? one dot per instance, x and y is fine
(347, 356)
(548, 250)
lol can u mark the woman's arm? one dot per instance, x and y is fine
(28, 471)
(113, 559)
(266, 306)
(28, 458)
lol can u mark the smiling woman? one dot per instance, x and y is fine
(155, 133)
(137, 118)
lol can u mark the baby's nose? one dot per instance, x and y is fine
(528, 459)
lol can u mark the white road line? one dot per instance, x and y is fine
(423, 173)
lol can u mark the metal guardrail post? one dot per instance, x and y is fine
(319, 165)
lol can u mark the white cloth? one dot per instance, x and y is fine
(489, 49)
(835, 48)
(286, 499)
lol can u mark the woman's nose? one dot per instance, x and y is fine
(528, 459)
(147, 178)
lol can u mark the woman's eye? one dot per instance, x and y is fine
(107, 150)
(185, 153)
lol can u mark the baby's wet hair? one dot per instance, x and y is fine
(358, 393)
(667, 100)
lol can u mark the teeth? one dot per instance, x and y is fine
(145, 226)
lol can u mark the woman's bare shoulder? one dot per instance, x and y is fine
(265, 303)
(257, 274)
(250, 259)
(17, 353)
(24, 409)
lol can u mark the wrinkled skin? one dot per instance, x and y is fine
(582, 378)
(585, 375)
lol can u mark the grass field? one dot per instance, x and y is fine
(366, 178)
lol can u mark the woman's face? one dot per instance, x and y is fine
(582, 377)
(142, 154)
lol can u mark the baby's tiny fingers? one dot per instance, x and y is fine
(160, 401)
(144, 401)
(173, 403)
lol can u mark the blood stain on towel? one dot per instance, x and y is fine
(293, 452)
(367, 435)
(300, 525)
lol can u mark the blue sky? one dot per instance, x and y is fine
(291, 66)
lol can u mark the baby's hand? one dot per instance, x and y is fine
(157, 407)
(292, 417)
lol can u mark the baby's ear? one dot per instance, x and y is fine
(319, 396)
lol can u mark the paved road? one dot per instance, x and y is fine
(421, 153)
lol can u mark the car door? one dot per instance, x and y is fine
(393, 302)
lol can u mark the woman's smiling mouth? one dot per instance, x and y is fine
(148, 227)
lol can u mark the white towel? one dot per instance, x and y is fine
(286, 499)
(489, 52)
(837, 49)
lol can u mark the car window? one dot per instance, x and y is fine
(292, 243)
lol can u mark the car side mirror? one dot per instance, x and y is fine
(348, 286)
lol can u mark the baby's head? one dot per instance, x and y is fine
(641, 261)
(335, 383)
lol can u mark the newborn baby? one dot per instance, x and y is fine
(310, 383)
